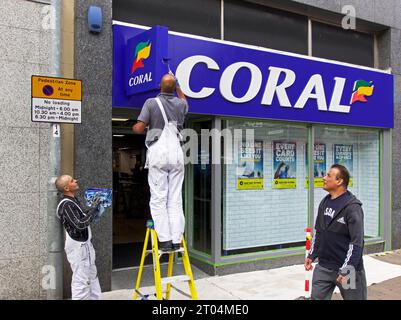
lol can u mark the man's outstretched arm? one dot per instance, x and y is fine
(139, 127)
(180, 94)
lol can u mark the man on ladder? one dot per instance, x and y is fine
(165, 117)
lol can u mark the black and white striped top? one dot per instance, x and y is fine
(75, 219)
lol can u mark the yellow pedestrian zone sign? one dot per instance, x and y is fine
(56, 100)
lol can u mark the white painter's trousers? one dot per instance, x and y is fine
(165, 182)
(81, 256)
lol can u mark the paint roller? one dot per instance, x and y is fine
(166, 61)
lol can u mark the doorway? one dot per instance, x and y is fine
(130, 198)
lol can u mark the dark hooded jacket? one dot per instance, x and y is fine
(339, 245)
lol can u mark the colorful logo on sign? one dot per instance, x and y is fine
(143, 60)
(142, 52)
(362, 89)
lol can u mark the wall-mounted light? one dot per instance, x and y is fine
(119, 135)
(95, 19)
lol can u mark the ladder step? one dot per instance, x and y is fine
(169, 251)
(182, 278)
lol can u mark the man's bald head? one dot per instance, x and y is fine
(168, 84)
(62, 182)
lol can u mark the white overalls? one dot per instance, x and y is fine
(81, 256)
(165, 160)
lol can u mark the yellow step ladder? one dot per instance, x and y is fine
(169, 280)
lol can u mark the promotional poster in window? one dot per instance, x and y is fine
(343, 154)
(250, 166)
(319, 168)
(284, 165)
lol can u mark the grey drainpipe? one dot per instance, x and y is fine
(54, 227)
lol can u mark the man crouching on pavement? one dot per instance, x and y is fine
(78, 246)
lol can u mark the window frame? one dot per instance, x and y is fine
(216, 259)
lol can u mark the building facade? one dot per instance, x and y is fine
(229, 227)
(25, 51)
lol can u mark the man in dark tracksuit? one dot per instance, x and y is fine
(338, 241)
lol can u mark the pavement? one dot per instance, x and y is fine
(383, 275)
(387, 289)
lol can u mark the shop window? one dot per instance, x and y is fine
(265, 202)
(202, 194)
(199, 17)
(336, 43)
(266, 27)
(358, 151)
